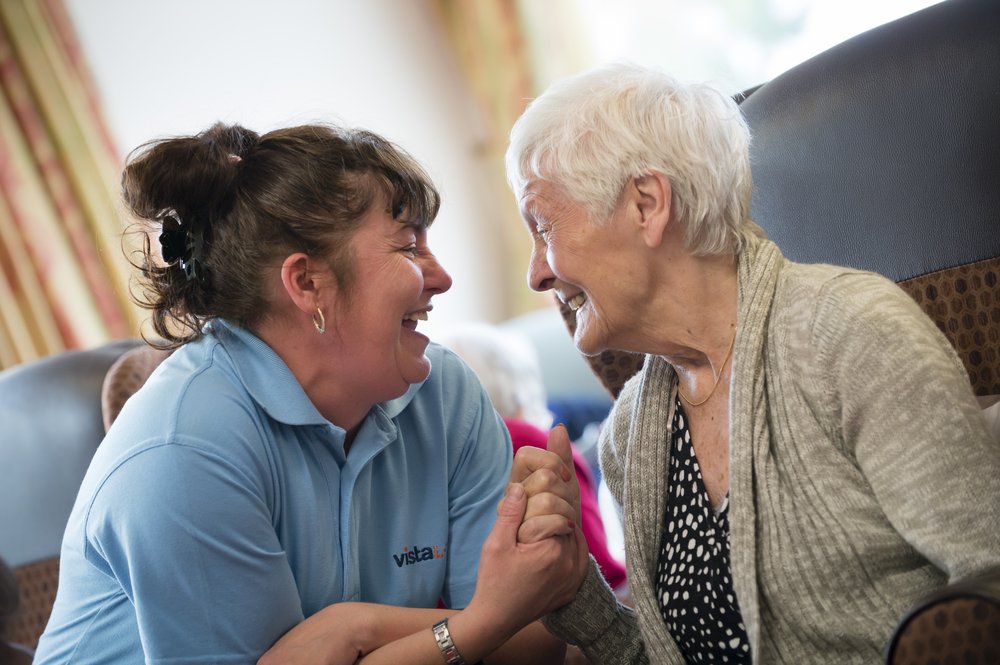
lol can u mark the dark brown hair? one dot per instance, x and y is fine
(253, 200)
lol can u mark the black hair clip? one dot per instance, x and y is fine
(173, 245)
(184, 245)
(192, 264)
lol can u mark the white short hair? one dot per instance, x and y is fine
(590, 133)
(507, 366)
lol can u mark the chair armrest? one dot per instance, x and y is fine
(959, 623)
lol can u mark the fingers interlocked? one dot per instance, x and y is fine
(549, 481)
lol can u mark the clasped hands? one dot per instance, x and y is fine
(548, 477)
(536, 557)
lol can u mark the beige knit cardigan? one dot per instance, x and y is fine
(861, 473)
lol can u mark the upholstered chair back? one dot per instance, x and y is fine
(883, 153)
(50, 412)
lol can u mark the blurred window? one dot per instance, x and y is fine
(734, 44)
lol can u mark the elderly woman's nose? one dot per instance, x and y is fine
(436, 278)
(540, 275)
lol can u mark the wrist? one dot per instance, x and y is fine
(446, 645)
(477, 633)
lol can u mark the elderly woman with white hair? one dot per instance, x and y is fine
(801, 456)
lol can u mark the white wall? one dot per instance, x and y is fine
(166, 67)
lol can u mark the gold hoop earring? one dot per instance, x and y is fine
(321, 322)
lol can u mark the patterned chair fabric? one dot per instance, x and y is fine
(964, 302)
(37, 583)
(125, 377)
(959, 625)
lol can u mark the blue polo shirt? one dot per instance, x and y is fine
(221, 509)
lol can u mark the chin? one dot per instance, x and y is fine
(588, 347)
(588, 341)
(417, 371)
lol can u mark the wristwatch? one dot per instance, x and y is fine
(448, 649)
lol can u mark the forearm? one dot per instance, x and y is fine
(533, 644)
(473, 635)
(517, 583)
(377, 634)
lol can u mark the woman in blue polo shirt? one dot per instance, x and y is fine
(304, 445)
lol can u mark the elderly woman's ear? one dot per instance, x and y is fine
(651, 194)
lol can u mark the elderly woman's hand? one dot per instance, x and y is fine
(549, 480)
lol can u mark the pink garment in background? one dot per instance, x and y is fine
(525, 434)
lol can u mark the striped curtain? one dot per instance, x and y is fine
(63, 275)
(508, 51)
(487, 39)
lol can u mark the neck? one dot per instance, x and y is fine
(299, 347)
(698, 313)
(690, 318)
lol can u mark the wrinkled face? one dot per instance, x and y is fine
(580, 260)
(394, 277)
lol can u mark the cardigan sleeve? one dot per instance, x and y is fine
(605, 630)
(906, 413)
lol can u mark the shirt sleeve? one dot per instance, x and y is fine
(189, 538)
(476, 484)
(906, 412)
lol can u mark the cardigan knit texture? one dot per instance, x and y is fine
(862, 476)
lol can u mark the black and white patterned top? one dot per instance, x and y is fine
(693, 580)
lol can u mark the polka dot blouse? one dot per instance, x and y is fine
(693, 581)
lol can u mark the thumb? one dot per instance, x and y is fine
(560, 444)
(511, 512)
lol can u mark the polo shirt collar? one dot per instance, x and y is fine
(271, 383)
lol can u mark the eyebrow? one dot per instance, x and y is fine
(406, 223)
(529, 206)
(406, 226)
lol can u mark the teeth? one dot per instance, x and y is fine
(416, 316)
(576, 302)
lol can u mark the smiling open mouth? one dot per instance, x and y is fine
(411, 319)
(576, 302)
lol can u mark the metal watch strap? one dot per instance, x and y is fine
(448, 649)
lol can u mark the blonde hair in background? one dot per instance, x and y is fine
(507, 366)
